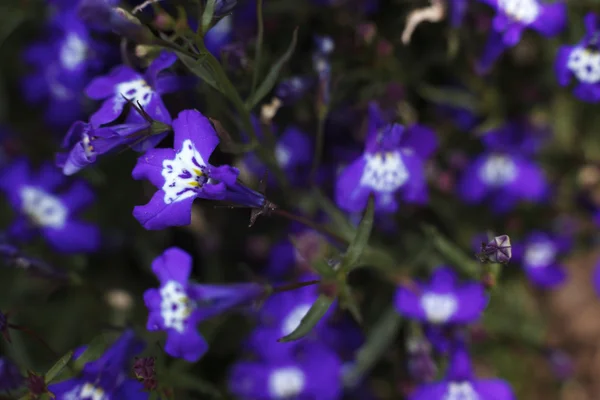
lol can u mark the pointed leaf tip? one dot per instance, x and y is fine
(310, 320)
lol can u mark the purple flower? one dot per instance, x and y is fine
(291, 90)
(458, 9)
(220, 35)
(143, 90)
(442, 300)
(13, 257)
(10, 376)
(63, 64)
(582, 61)
(393, 162)
(504, 172)
(183, 174)
(42, 208)
(178, 306)
(312, 372)
(460, 383)
(85, 143)
(513, 17)
(538, 255)
(106, 377)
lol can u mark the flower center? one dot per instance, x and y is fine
(525, 11)
(286, 382)
(282, 155)
(460, 391)
(498, 170)
(539, 255)
(292, 320)
(384, 172)
(176, 306)
(138, 91)
(73, 51)
(43, 209)
(585, 64)
(185, 174)
(439, 307)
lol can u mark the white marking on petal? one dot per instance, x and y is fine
(282, 155)
(525, 11)
(175, 306)
(498, 170)
(460, 391)
(439, 307)
(42, 208)
(585, 64)
(539, 255)
(57, 89)
(73, 51)
(138, 91)
(292, 320)
(384, 172)
(184, 175)
(286, 382)
(91, 392)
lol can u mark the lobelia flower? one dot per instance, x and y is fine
(10, 376)
(582, 61)
(177, 307)
(62, 66)
(442, 300)
(312, 372)
(538, 255)
(392, 163)
(42, 208)
(289, 91)
(513, 17)
(461, 384)
(503, 172)
(13, 257)
(220, 35)
(106, 378)
(123, 83)
(183, 174)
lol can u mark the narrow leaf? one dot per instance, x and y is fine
(452, 252)
(92, 352)
(271, 78)
(359, 243)
(348, 302)
(343, 227)
(207, 16)
(312, 317)
(58, 367)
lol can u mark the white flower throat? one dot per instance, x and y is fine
(498, 170)
(461, 391)
(292, 320)
(138, 91)
(540, 254)
(88, 391)
(73, 51)
(384, 172)
(439, 308)
(184, 175)
(286, 383)
(585, 64)
(525, 11)
(42, 208)
(175, 306)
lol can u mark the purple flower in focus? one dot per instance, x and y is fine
(513, 17)
(43, 208)
(106, 377)
(442, 300)
(143, 90)
(503, 172)
(311, 372)
(582, 61)
(178, 306)
(461, 384)
(10, 376)
(538, 255)
(392, 162)
(183, 174)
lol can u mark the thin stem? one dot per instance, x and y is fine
(319, 143)
(259, 42)
(307, 222)
(294, 286)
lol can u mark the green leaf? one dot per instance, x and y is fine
(343, 227)
(58, 367)
(348, 302)
(312, 317)
(361, 239)
(271, 78)
(93, 351)
(453, 97)
(207, 16)
(452, 252)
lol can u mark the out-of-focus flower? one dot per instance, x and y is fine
(178, 306)
(311, 372)
(460, 383)
(442, 300)
(504, 172)
(106, 377)
(219, 35)
(10, 376)
(392, 163)
(183, 174)
(12, 256)
(291, 90)
(582, 61)
(513, 17)
(41, 208)
(421, 366)
(539, 257)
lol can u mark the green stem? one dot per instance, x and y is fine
(294, 286)
(319, 143)
(259, 43)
